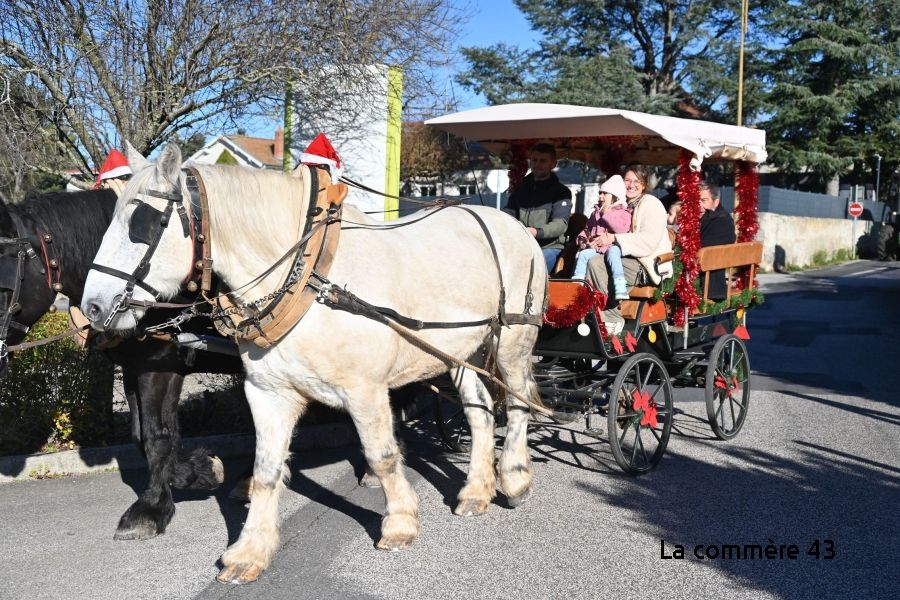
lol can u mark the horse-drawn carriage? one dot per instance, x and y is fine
(342, 322)
(674, 334)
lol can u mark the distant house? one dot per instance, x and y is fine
(261, 153)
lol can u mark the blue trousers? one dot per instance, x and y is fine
(613, 259)
(550, 256)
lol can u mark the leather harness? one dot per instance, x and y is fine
(267, 320)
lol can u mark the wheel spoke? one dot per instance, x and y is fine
(647, 378)
(719, 410)
(656, 435)
(643, 452)
(626, 416)
(622, 437)
(634, 445)
(737, 402)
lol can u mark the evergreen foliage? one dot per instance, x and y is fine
(833, 86)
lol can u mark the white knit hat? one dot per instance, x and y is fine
(615, 185)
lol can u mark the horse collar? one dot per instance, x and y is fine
(200, 232)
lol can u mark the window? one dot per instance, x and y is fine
(428, 190)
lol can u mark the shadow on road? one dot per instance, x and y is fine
(823, 495)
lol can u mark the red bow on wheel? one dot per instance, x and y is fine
(728, 387)
(648, 409)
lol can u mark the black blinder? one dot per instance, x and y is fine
(146, 224)
(9, 272)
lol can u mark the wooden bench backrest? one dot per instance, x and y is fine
(744, 254)
(728, 256)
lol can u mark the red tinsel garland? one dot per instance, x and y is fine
(518, 164)
(614, 149)
(688, 235)
(746, 216)
(585, 301)
(747, 193)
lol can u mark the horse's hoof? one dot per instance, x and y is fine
(243, 490)
(395, 543)
(238, 574)
(218, 469)
(471, 508)
(515, 501)
(136, 531)
(369, 480)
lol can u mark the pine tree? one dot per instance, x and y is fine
(615, 53)
(833, 85)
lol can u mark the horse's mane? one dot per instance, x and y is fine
(77, 221)
(262, 211)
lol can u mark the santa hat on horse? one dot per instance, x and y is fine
(321, 152)
(115, 165)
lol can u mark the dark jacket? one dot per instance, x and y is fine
(544, 205)
(716, 229)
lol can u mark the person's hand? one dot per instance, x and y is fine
(604, 239)
(532, 231)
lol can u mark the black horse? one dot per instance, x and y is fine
(47, 245)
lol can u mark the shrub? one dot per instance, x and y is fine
(56, 396)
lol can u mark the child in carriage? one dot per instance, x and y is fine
(610, 214)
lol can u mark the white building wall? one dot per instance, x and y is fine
(357, 128)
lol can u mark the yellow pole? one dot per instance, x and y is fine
(392, 163)
(745, 8)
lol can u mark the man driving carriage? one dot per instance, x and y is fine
(542, 203)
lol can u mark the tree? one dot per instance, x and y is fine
(147, 70)
(428, 153)
(834, 87)
(27, 157)
(618, 53)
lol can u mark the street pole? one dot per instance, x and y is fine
(877, 175)
(740, 99)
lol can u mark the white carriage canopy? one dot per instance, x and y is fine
(601, 136)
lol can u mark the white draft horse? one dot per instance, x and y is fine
(433, 266)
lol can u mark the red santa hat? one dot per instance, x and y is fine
(321, 152)
(115, 165)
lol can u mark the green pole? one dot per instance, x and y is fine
(392, 163)
(288, 159)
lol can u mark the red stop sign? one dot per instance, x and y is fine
(855, 209)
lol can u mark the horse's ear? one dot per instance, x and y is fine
(169, 163)
(135, 160)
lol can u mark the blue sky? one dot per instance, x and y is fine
(492, 22)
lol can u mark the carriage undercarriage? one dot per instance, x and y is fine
(583, 375)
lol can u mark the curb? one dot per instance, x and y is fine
(127, 456)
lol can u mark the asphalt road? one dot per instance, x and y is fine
(818, 459)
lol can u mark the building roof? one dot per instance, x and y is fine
(261, 149)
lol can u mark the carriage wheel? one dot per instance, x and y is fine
(450, 419)
(639, 415)
(727, 386)
(451, 423)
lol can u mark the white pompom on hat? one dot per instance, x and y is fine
(115, 165)
(615, 185)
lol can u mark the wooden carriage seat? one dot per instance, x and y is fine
(565, 264)
(731, 257)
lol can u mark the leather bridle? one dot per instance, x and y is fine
(11, 279)
(192, 225)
